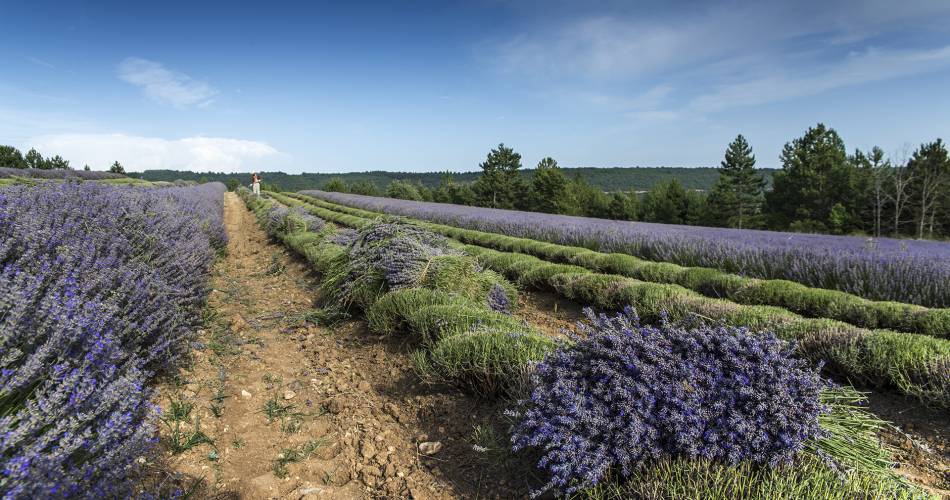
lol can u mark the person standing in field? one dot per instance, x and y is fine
(256, 184)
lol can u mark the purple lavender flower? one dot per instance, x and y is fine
(100, 286)
(880, 269)
(498, 299)
(624, 393)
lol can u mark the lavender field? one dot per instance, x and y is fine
(33, 173)
(100, 287)
(909, 271)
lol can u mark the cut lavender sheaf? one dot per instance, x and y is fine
(624, 394)
(100, 286)
(910, 271)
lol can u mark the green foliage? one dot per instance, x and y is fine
(499, 186)
(434, 322)
(807, 479)
(605, 179)
(403, 190)
(670, 203)
(815, 175)
(737, 196)
(57, 163)
(550, 191)
(117, 168)
(295, 454)
(392, 312)
(11, 157)
(588, 201)
(929, 192)
(336, 184)
(180, 439)
(34, 159)
(365, 188)
(487, 361)
(623, 206)
(449, 191)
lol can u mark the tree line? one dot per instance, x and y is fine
(820, 188)
(11, 157)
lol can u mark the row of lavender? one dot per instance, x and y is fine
(38, 173)
(913, 364)
(100, 287)
(880, 269)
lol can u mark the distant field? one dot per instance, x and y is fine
(608, 179)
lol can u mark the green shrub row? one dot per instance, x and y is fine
(804, 300)
(916, 365)
(462, 341)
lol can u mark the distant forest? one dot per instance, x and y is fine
(606, 179)
(821, 187)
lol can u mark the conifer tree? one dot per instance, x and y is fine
(736, 198)
(499, 186)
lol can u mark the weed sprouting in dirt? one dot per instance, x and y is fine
(181, 440)
(490, 446)
(276, 266)
(295, 455)
(217, 401)
(179, 409)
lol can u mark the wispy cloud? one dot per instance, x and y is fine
(717, 57)
(39, 62)
(164, 85)
(137, 153)
(871, 65)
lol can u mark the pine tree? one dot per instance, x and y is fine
(815, 175)
(35, 160)
(57, 163)
(666, 203)
(499, 186)
(11, 157)
(117, 168)
(550, 188)
(736, 198)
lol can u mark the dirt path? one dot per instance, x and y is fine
(293, 410)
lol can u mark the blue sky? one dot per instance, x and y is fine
(421, 86)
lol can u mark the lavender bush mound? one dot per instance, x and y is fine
(878, 269)
(624, 393)
(390, 255)
(99, 287)
(57, 174)
(281, 219)
(305, 221)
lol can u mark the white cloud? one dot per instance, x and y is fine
(164, 85)
(718, 56)
(872, 65)
(199, 154)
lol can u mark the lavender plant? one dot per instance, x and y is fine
(100, 286)
(35, 173)
(879, 269)
(623, 394)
